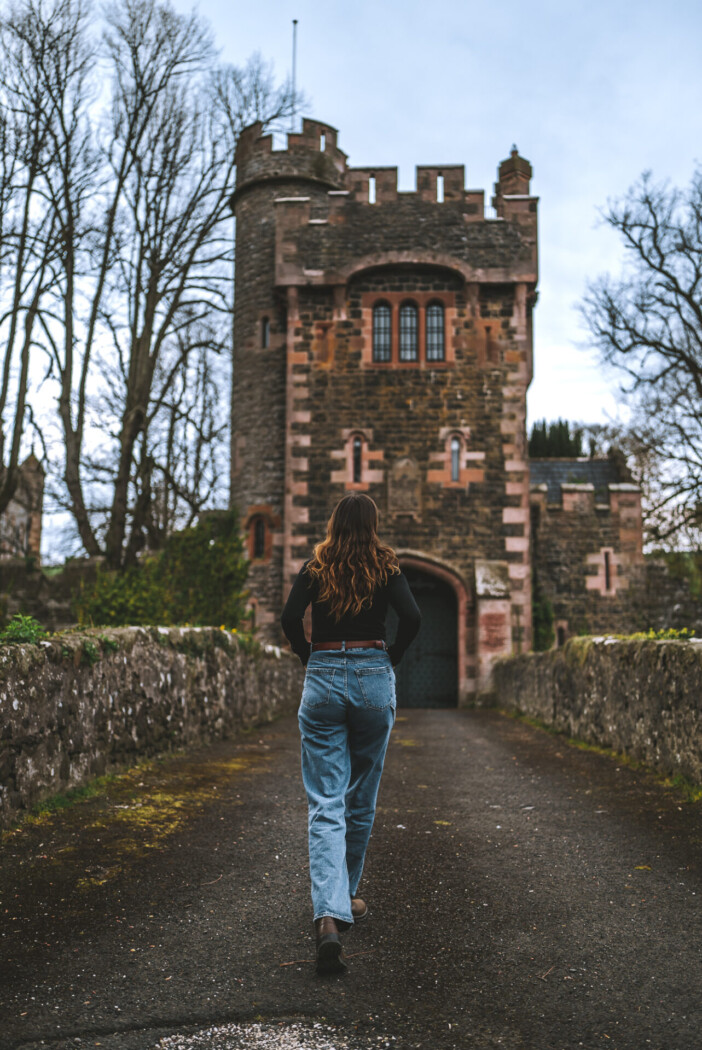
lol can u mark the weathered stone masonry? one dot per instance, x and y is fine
(643, 698)
(81, 705)
(440, 444)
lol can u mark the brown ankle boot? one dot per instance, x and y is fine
(359, 909)
(329, 949)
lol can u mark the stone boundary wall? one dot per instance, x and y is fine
(643, 698)
(83, 704)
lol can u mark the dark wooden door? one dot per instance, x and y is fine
(428, 673)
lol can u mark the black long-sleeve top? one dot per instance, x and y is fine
(368, 625)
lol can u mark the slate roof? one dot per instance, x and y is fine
(555, 472)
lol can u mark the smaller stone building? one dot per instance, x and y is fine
(20, 525)
(587, 543)
(587, 556)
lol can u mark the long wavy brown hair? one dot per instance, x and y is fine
(351, 562)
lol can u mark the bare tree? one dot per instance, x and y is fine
(141, 199)
(29, 238)
(187, 432)
(648, 326)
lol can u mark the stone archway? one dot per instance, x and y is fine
(432, 672)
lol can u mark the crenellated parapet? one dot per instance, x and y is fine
(314, 154)
(341, 219)
(437, 184)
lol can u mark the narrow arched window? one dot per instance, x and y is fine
(455, 459)
(435, 332)
(265, 333)
(382, 332)
(259, 538)
(409, 344)
(357, 460)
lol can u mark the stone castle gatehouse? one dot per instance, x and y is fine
(383, 343)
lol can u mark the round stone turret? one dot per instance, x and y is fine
(305, 171)
(311, 156)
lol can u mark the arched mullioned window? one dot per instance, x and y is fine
(382, 332)
(258, 546)
(455, 458)
(265, 333)
(409, 332)
(435, 332)
(357, 464)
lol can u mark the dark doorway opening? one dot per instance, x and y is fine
(428, 673)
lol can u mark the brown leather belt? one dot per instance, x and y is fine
(317, 646)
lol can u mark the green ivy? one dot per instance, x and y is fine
(197, 579)
(91, 653)
(543, 625)
(542, 618)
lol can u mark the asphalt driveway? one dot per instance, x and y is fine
(523, 894)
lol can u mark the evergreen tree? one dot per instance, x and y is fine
(555, 440)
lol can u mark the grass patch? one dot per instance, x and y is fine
(691, 792)
(64, 799)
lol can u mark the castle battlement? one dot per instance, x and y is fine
(332, 220)
(313, 156)
(584, 497)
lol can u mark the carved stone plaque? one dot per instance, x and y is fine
(405, 489)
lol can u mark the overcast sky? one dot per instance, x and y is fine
(592, 94)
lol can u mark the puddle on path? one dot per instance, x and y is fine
(283, 1035)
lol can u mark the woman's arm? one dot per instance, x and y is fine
(402, 600)
(291, 619)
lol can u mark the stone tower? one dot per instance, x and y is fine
(383, 343)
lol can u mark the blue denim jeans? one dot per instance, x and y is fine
(346, 715)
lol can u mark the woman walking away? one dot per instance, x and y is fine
(348, 704)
